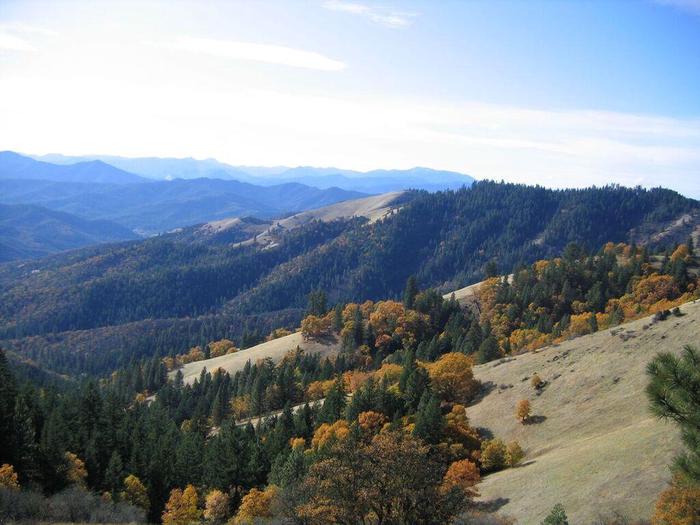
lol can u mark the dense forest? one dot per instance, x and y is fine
(379, 432)
(199, 291)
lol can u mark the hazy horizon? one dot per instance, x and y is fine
(562, 94)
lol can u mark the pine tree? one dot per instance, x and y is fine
(557, 516)
(217, 410)
(115, 472)
(673, 392)
(410, 292)
(416, 386)
(8, 394)
(429, 420)
(488, 350)
(335, 402)
(27, 448)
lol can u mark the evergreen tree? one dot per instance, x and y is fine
(557, 516)
(114, 474)
(488, 350)
(334, 405)
(8, 395)
(674, 394)
(410, 292)
(217, 410)
(416, 387)
(429, 420)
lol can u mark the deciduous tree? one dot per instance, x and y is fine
(181, 508)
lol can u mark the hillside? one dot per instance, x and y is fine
(33, 232)
(157, 207)
(208, 284)
(274, 350)
(594, 446)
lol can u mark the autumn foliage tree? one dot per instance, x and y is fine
(393, 478)
(494, 455)
(181, 508)
(257, 504)
(314, 327)
(135, 492)
(679, 504)
(523, 411)
(452, 378)
(75, 469)
(8, 477)
(463, 476)
(216, 506)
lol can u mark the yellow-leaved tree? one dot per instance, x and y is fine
(216, 506)
(75, 469)
(8, 477)
(452, 378)
(256, 504)
(135, 492)
(181, 508)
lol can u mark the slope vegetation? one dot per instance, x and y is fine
(592, 445)
(274, 350)
(444, 239)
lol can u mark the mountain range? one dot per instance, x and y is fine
(375, 181)
(148, 196)
(99, 307)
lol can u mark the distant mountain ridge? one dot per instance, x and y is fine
(28, 231)
(98, 191)
(19, 167)
(375, 181)
(160, 206)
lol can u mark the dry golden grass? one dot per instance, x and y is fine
(593, 445)
(275, 350)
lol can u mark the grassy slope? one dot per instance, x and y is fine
(597, 448)
(275, 350)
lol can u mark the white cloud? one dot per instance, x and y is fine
(10, 42)
(19, 27)
(13, 36)
(387, 17)
(250, 126)
(253, 52)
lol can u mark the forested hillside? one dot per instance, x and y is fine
(32, 231)
(396, 397)
(445, 239)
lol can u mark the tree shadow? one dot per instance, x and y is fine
(535, 420)
(484, 433)
(525, 464)
(492, 505)
(486, 389)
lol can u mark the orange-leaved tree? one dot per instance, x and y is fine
(523, 411)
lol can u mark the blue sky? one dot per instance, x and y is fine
(557, 93)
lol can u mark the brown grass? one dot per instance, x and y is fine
(275, 350)
(593, 445)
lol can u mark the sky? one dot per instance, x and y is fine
(562, 94)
